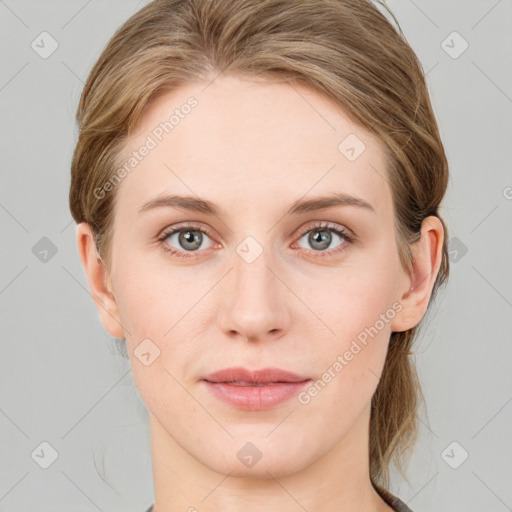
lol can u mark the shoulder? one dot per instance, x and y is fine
(400, 506)
(393, 501)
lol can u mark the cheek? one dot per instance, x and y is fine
(353, 299)
(149, 298)
(358, 307)
(349, 365)
(157, 309)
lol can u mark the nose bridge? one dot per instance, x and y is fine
(254, 282)
(253, 308)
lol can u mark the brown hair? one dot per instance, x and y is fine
(346, 50)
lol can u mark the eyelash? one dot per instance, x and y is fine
(342, 233)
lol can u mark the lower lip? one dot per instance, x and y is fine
(255, 398)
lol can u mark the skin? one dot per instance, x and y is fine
(254, 148)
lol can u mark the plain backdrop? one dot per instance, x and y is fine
(73, 430)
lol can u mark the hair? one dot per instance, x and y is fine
(346, 50)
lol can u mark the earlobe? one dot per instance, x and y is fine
(97, 278)
(427, 255)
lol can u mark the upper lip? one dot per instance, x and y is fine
(257, 376)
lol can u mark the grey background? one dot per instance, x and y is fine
(61, 379)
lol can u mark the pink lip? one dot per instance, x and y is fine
(272, 386)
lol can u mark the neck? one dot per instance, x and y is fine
(337, 480)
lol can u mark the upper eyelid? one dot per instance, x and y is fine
(324, 225)
(170, 229)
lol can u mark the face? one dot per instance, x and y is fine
(269, 278)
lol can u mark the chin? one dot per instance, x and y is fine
(258, 459)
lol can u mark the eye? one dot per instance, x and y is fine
(187, 239)
(320, 236)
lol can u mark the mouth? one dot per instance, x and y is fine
(254, 390)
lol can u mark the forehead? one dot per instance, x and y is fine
(240, 141)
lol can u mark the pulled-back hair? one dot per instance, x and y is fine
(346, 50)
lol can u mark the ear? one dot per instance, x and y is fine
(427, 256)
(99, 281)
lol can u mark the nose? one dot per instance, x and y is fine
(254, 301)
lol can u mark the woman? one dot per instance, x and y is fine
(257, 189)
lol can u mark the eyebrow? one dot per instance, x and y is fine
(314, 204)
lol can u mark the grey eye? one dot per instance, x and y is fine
(320, 238)
(188, 239)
